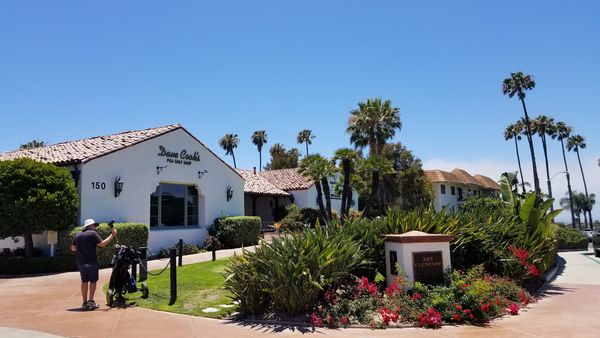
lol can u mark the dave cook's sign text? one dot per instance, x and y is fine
(182, 157)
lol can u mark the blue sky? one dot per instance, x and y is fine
(71, 70)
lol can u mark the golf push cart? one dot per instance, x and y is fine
(124, 260)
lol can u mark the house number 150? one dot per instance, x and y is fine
(98, 185)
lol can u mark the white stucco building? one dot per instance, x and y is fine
(264, 191)
(452, 188)
(163, 177)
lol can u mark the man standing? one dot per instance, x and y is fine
(84, 245)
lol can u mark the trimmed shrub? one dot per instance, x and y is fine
(130, 234)
(237, 231)
(36, 265)
(569, 238)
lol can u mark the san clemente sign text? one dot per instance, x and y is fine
(182, 157)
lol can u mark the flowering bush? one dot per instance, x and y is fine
(526, 269)
(468, 297)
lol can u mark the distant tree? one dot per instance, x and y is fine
(318, 169)
(35, 197)
(563, 131)
(375, 167)
(347, 160)
(545, 126)
(372, 124)
(513, 131)
(577, 142)
(406, 186)
(229, 142)
(305, 136)
(282, 158)
(33, 144)
(259, 138)
(518, 83)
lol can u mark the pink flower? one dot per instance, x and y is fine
(485, 307)
(523, 298)
(416, 297)
(456, 317)
(533, 271)
(468, 311)
(430, 318)
(393, 289)
(316, 320)
(365, 286)
(513, 309)
(344, 320)
(388, 316)
(458, 307)
(331, 296)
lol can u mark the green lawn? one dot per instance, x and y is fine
(198, 286)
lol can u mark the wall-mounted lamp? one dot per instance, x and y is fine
(201, 173)
(118, 186)
(159, 169)
(229, 193)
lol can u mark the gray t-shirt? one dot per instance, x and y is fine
(86, 243)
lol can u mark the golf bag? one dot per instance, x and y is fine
(121, 280)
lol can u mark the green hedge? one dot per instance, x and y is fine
(130, 234)
(237, 231)
(36, 265)
(569, 238)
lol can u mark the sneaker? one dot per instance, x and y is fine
(84, 306)
(91, 304)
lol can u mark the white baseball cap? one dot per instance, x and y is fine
(89, 222)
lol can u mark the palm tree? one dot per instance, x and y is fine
(513, 131)
(293, 155)
(228, 143)
(545, 126)
(518, 83)
(575, 204)
(33, 144)
(378, 166)
(373, 124)
(305, 136)
(587, 206)
(259, 138)
(576, 142)
(347, 162)
(318, 169)
(563, 131)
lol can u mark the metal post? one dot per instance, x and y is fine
(173, 254)
(214, 253)
(180, 252)
(143, 264)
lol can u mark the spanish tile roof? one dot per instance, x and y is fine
(462, 177)
(487, 182)
(89, 148)
(287, 179)
(258, 185)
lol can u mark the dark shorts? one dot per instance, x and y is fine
(88, 272)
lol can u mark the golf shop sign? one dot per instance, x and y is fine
(179, 157)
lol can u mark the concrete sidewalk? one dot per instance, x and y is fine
(569, 307)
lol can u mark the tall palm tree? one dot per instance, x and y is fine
(378, 166)
(305, 136)
(587, 206)
(228, 143)
(518, 83)
(259, 138)
(513, 131)
(33, 144)
(347, 159)
(545, 126)
(563, 131)
(576, 142)
(317, 169)
(373, 124)
(575, 204)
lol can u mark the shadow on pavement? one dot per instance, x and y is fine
(274, 327)
(553, 290)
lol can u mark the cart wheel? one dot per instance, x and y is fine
(110, 296)
(144, 289)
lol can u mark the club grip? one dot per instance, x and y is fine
(111, 224)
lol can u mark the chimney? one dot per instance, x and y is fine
(254, 170)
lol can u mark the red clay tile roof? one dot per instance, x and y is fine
(460, 176)
(287, 179)
(258, 185)
(89, 148)
(487, 182)
(465, 177)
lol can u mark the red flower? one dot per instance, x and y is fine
(416, 297)
(521, 254)
(388, 316)
(523, 298)
(393, 289)
(365, 286)
(331, 296)
(456, 317)
(533, 271)
(485, 307)
(430, 318)
(513, 309)
(458, 307)
(471, 316)
(344, 320)
(316, 320)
